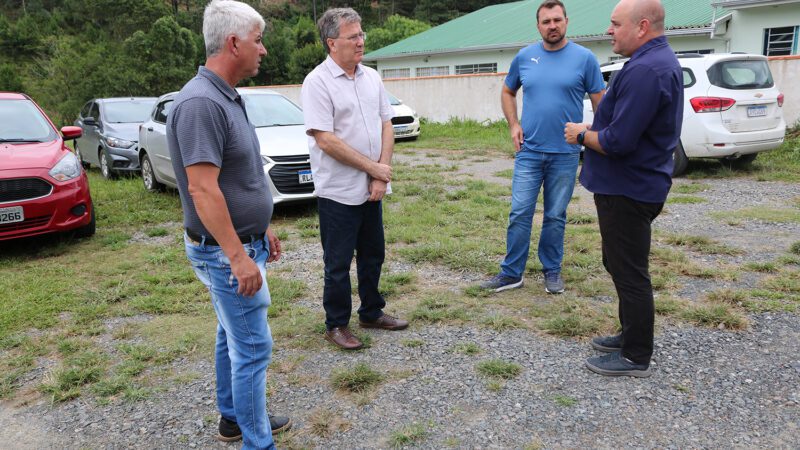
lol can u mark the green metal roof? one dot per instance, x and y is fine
(514, 25)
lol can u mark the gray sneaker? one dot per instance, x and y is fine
(500, 283)
(553, 283)
(616, 365)
(608, 344)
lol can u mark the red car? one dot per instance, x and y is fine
(43, 188)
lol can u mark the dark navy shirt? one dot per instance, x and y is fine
(638, 124)
(208, 124)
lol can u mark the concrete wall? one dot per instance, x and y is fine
(749, 25)
(478, 96)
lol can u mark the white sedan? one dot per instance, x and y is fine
(405, 120)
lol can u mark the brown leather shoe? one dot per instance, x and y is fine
(343, 338)
(385, 322)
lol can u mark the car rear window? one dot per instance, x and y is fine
(128, 112)
(270, 110)
(21, 121)
(741, 74)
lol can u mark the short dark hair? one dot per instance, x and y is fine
(550, 4)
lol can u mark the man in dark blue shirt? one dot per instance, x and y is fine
(629, 167)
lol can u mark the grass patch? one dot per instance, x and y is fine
(412, 343)
(467, 348)
(357, 379)
(436, 308)
(700, 244)
(761, 214)
(715, 316)
(763, 267)
(326, 423)
(498, 368)
(795, 248)
(685, 199)
(409, 434)
(474, 137)
(501, 323)
(691, 188)
(565, 400)
(395, 284)
(66, 382)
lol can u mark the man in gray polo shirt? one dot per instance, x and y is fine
(348, 121)
(227, 208)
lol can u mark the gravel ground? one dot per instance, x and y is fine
(710, 388)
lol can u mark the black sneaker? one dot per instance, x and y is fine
(553, 283)
(616, 365)
(229, 430)
(607, 344)
(500, 283)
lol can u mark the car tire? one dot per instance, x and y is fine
(742, 162)
(88, 229)
(149, 176)
(78, 153)
(105, 166)
(680, 160)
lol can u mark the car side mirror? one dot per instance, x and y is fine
(90, 121)
(70, 132)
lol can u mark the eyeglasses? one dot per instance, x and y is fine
(355, 37)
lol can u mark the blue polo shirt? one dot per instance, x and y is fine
(553, 85)
(639, 125)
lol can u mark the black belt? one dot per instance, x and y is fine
(244, 239)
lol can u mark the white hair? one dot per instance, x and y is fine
(223, 18)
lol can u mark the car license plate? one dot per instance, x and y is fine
(305, 176)
(757, 111)
(400, 129)
(12, 214)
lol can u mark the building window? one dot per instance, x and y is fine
(780, 41)
(396, 73)
(433, 71)
(476, 68)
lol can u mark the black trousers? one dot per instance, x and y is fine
(625, 227)
(345, 229)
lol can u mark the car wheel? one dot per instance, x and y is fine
(680, 160)
(78, 153)
(105, 166)
(149, 176)
(88, 229)
(742, 162)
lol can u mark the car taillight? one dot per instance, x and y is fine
(780, 100)
(711, 104)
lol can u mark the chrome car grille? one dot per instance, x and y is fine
(402, 120)
(19, 189)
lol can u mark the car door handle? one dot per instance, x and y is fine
(149, 128)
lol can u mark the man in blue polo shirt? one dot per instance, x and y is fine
(629, 170)
(554, 75)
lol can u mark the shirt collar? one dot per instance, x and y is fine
(337, 71)
(649, 45)
(218, 82)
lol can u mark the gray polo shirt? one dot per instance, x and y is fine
(354, 109)
(208, 124)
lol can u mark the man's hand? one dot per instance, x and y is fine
(274, 246)
(571, 131)
(377, 189)
(517, 136)
(382, 172)
(247, 273)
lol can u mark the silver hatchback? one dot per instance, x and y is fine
(280, 131)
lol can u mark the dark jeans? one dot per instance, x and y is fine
(625, 230)
(345, 229)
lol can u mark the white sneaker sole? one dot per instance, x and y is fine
(510, 286)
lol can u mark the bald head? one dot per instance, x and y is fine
(633, 23)
(650, 10)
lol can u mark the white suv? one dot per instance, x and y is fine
(732, 108)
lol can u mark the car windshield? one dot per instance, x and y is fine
(271, 110)
(394, 100)
(131, 111)
(741, 74)
(21, 121)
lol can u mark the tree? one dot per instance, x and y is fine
(395, 29)
(304, 60)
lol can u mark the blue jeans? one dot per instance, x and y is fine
(244, 342)
(532, 171)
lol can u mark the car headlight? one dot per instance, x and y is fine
(117, 142)
(66, 169)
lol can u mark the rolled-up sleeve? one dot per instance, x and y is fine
(639, 94)
(317, 105)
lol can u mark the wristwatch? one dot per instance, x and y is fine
(581, 135)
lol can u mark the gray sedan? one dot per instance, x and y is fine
(110, 133)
